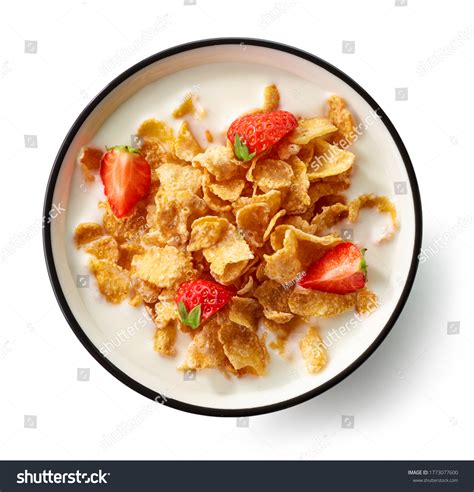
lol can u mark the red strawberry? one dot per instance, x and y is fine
(198, 300)
(341, 270)
(126, 176)
(252, 134)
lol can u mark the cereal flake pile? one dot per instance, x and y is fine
(254, 226)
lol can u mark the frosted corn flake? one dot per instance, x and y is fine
(128, 228)
(245, 311)
(113, 281)
(104, 248)
(273, 297)
(283, 266)
(147, 291)
(230, 249)
(126, 253)
(243, 348)
(164, 267)
(309, 129)
(173, 216)
(366, 301)
(313, 351)
(308, 302)
(328, 217)
(252, 220)
(297, 199)
(271, 98)
(272, 223)
(228, 190)
(206, 231)
(220, 162)
(205, 350)
(272, 174)
(342, 118)
(165, 339)
(329, 160)
(186, 146)
(186, 106)
(87, 232)
(89, 160)
(176, 177)
(383, 205)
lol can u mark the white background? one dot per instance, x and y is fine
(413, 399)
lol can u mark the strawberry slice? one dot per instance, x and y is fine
(198, 300)
(252, 134)
(126, 176)
(341, 270)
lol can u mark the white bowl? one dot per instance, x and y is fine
(229, 75)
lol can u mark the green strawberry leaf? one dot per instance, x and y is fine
(363, 263)
(183, 312)
(241, 150)
(194, 317)
(124, 148)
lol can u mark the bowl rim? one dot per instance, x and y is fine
(80, 333)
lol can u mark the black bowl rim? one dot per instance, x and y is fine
(61, 299)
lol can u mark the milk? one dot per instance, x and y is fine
(226, 90)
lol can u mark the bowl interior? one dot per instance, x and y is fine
(229, 80)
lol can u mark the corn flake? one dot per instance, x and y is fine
(271, 98)
(206, 231)
(313, 351)
(220, 162)
(342, 118)
(274, 299)
(383, 205)
(366, 301)
(89, 160)
(329, 217)
(128, 228)
(308, 302)
(330, 160)
(175, 177)
(228, 190)
(126, 253)
(230, 250)
(87, 232)
(113, 281)
(272, 174)
(165, 339)
(311, 128)
(297, 199)
(186, 106)
(186, 146)
(245, 311)
(205, 350)
(164, 267)
(104, 248)
(243, 348)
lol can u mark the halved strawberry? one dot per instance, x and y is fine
(254, 133)
(126, 176)
(198, 300)
(341, 270)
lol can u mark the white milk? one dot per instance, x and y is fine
(226, 90)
